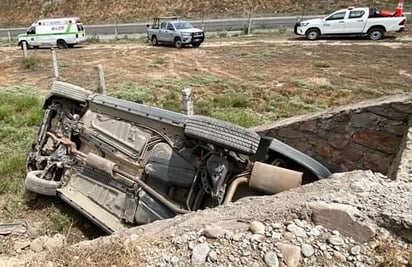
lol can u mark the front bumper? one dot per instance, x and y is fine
(193, 38)
(298, 29)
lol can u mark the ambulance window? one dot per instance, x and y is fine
(79, 27)
(31, 30)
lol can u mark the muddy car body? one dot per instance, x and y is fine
(121, 163)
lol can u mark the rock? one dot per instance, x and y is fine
(257, 227)
(20, 245)
(57, 241)
(314, 232)
(37, 244)
(289, 236)
(355, 250)
(291, 254)
(341, 217)
(276, 225)
(335, 240)
(213, 232)
(271, 259)
(298, 231)
(212, 256)
(257, 238)
(307, 250)
(199, 254)
(339, 256)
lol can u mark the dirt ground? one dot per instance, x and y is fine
(278, 74)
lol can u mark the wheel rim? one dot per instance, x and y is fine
(178, 43)
(376, 35)
(312, 35)
(154, 41)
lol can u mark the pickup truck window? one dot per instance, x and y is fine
(355, 14)
(170, 27)
(183, 25)
(337, 16)
(163, 25)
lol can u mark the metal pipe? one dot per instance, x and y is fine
(233, 187)
(151, 191)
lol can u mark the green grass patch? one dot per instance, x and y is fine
(30, 62)
(132, 91)
(322, 64)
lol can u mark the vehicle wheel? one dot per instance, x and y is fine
(196, 44)
(376, 34)
(35, 184)
(178, 43)
(154, 41)
(22, 44)
(70, 91)
(312, 34)
(222, 134)
(61, 44)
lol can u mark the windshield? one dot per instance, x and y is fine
(182, 25)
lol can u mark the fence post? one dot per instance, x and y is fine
(9, 34)
(249, 23)
(102, 83)
(187, 101)
(116, 30)
(55, 65)
(24, 45)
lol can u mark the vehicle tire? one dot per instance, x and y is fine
(61, 44)
(196, 45)
(312, 34)
(155, 42)
(21, 45)
(70, 91)
(224, 134)
(178, 43)
(35, 184)
(376, 34)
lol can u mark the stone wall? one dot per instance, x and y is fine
(367, 135)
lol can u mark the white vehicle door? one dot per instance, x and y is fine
(32, 38)
(356, 21)
(170, 32)
(162, 32)
(335, 23)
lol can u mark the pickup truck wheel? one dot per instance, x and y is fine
(35, 184)
(61, 44)
(223, 134)
(312, 34)
(154, 41)
(376, 34)
(70, 91)
(178, 43)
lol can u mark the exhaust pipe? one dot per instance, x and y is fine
(271, 179)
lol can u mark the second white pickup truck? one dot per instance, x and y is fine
(351, 21)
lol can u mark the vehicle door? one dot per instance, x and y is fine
(31, 36)
(335, 23)
(356, 21)
(161, 36)
(170, 32)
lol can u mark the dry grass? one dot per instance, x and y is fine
(19, 12)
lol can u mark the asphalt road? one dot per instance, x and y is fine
(208, 25)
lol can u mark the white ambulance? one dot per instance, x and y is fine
(60, 32)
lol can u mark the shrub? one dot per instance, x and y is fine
(30, 62)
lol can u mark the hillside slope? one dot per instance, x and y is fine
(24, 12)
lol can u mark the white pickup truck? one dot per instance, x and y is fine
(351, 21)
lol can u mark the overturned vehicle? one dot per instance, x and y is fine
(122, 163)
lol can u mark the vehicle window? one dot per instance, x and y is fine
(31, 30)
(80, 28)
(170, 27)
(163, 25)
(183, 25)
(337, 16)
(355, 14)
